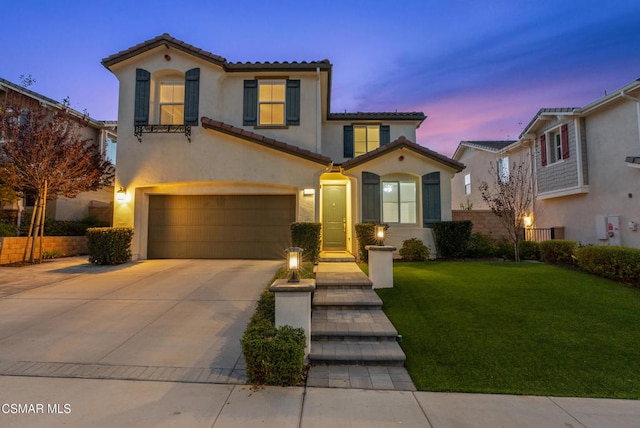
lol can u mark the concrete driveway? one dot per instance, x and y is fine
(168, 320)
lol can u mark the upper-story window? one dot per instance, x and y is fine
(467, 184)
(361, 139)
(271, 102)
(554, 145)
(503, 169)
(366, 138)
(171, 103)
(167, 98)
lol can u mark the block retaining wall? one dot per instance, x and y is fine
(484, 221)
(12, 248)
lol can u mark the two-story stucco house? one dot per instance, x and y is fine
(216, 158)
(585, 168)
(100, 133)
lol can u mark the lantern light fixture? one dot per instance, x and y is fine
(121, 195)
(294, 262)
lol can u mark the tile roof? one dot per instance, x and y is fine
(418, 115)
(493, 146)
(169, 41)
(547, 112)
(262, 140)
(400, 143)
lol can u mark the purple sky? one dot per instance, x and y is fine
(477, 69)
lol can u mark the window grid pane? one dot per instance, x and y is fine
(390, 197)
(271, 100)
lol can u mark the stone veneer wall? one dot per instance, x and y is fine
(12, 248)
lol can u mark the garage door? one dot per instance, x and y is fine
(219, 226)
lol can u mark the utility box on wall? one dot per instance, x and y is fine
(608, 229)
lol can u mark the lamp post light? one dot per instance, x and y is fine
(294, 261)
(380, 232)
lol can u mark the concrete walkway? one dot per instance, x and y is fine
(140, 345)
(110, 403)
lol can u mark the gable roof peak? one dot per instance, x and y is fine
(400, 143)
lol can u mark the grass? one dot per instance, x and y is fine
(516, 328)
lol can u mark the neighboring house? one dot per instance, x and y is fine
(99, 132)
(586, 169)
(216, 159)
(480, 158)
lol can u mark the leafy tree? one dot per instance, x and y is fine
(43, 154)
(510, 197)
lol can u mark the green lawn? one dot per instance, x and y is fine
(516, 328)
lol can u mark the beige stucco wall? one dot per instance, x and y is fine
(391, 166)
(333, 135)
(477, 164)
(611, 135)
(212, 163)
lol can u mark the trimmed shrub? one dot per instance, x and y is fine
(505, 249)
(452, 238)
(481, 246)
(274, 356)
(307, 237)
(7, 229)
(529, 250)
(65, 227)
(616, 263)
(109, 245)
(366, 235)
(557, 251)
(414, 250)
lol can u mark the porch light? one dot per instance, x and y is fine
(527, 221)
(121, 195)
(309, 192)
(380, 233)
(294, 260)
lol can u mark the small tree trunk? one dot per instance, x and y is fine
(44, 211)
(26, 245)
(35, 230)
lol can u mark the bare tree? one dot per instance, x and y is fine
(510, 197)
(43, 154)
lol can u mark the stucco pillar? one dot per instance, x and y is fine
(293, 305)
(381, 265)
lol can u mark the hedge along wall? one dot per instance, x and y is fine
(12, 248)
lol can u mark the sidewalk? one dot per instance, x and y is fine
(108, 403)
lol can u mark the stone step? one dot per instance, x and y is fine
(344, 280)
(362, 353)
(346, 298)
(336, 257)
(354, 325)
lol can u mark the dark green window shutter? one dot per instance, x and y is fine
(250, 106)
(431, 211)
(143, 88)
(293, 102)
(370, 197)
(385, 135)
(191, 96)
(348, 141)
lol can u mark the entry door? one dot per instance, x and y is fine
(334, 217)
